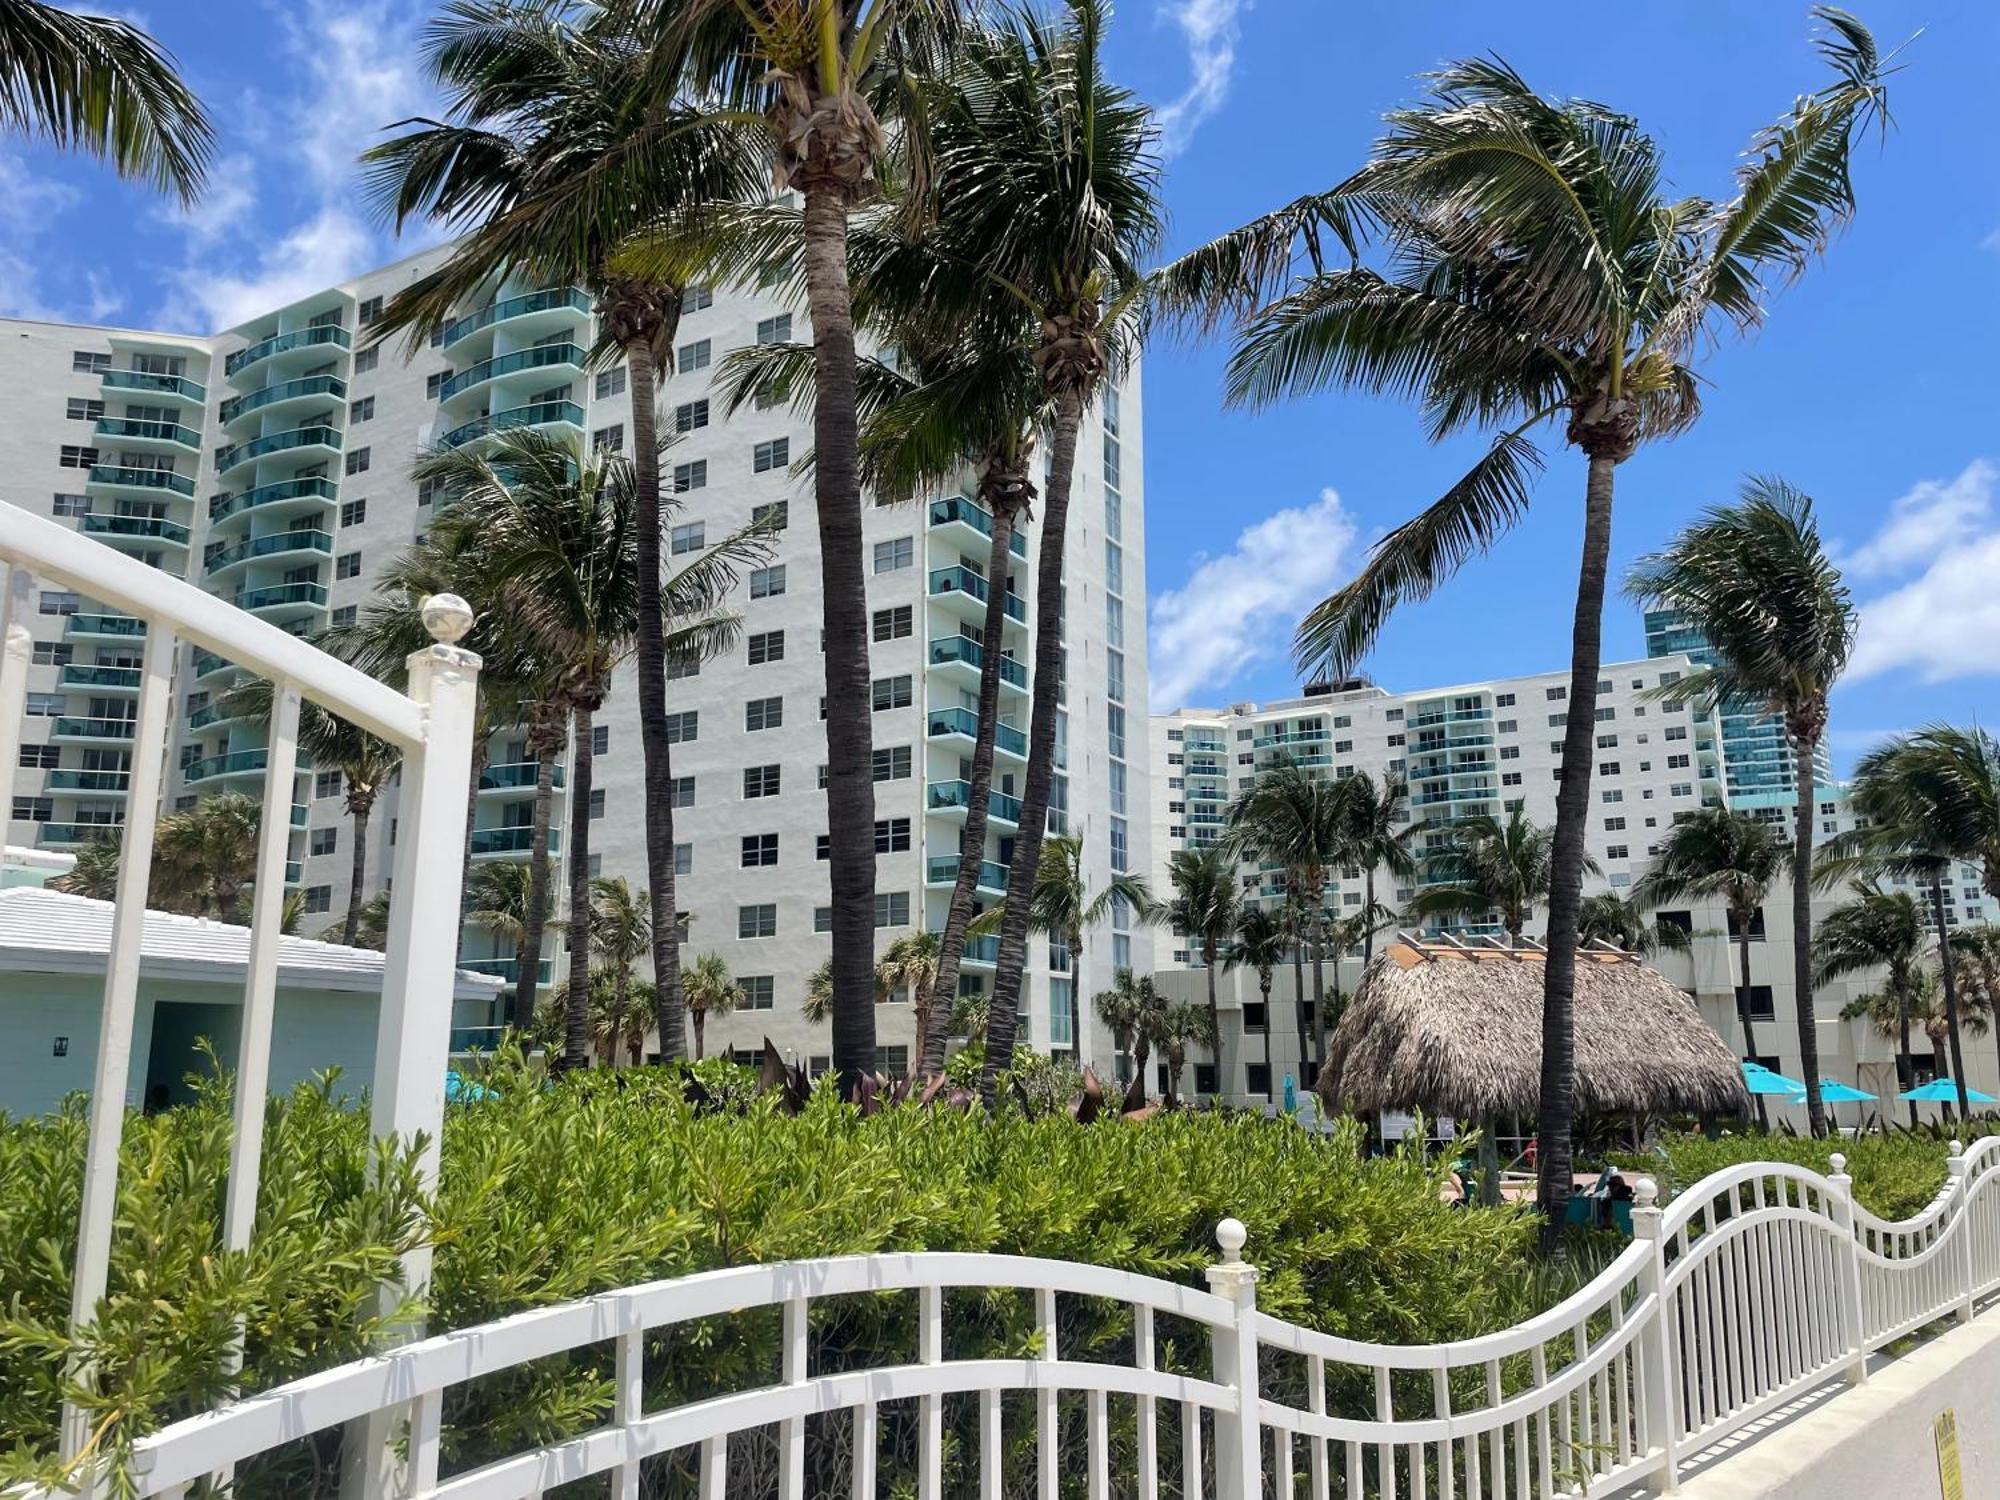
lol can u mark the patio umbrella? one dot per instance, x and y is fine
(1761, 1080)
(1944, 1091)
(1833, 1091)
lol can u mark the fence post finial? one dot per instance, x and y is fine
(1239, 1435)
(1840, 1208)
(447, 617)
(1659, 1348)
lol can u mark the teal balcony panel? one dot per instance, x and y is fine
(280, 595)
(963, 721)
(272, 544)
(316, 436)
(943, 870)
(958, 650)
(150, 528)
(957, 510)
(328, 335)
(104, 627)
(514, 776)
(237, 763)
(537, 414)
(92, 729)
(73, 835)
(282, 491)
(331, 387)
(88, 781)
(117, 679)
(549, 299)
(542, 356)
(174, 387)
(956, 796)
(139, 429)
(125, 477)
(511, 840)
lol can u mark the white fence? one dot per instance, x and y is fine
(432, 725)
(1759, 1284)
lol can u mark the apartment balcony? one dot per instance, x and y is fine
(281, 602)
(1457, 794)
(74, 835)
(301, 814)
(484, 1038)
(962, 725)
(157, 388)
(148, 482)
(953, 800)
(538, 414)
(1283, 756)
(514, 776)
(301, 346)
(1295, 737)
(488, 842)
(314, 444)
(285, 396)
(1451, 716)
(208, 664)
(964, 593)
(1437, 770)
(226, 710)
(158, 437)
(525, 316)
(541, 357)
(971, 523)
(508, 969)
(120, 531)
(79, 677)
(83, 731)
(978, 952)
(304, 542)
(1207, 794)
(961, 659)
(95, 783)
(943, 871)
(236, 764)
(104, 628)
(310, 497)
(295, 872)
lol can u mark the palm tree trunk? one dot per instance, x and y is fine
(1945, 972)
(621, 993)
(358, 809)
(1368, 920)
(669, 1012)
(972, 839)
(1802, 993)
(1041, 743)
(1319, 990)
(1909, 1062)
(1075, 996)
(477, 773)
(1270, 1084)
(1142, 1053)
(850, 783)
(1299, 1012)
(1566, 856)
(547, 745)
(576, 1028)
(1743, 1007)
(700, 1018)
(1214, 1019)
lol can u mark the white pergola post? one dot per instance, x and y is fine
(413, 1042)
(17, 647)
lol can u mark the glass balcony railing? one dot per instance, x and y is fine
(331, 386)
(514, 776)
(537, 414)
(128, 477)
(207, 662)
(968, 513)
(538, 358)
(69, 835)
(136, 428)
(115, 627)
(305, 539)
(156, 385)
(77, 675)
(1293, 737)
(508, 969)
(959, 649)
(966, 722)
(214, 713)
(88, 781)
(93, 729)
(151, 527)
(511, 840)
(1452, 716)
(237, 763)
(962, 580)
(279, 594)
(948, 796)
(316, 436)
(327, 334)
(943, 870)
(546, 300)
(484, 1038)
(222, 507)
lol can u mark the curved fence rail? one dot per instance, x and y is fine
(1759, 1284)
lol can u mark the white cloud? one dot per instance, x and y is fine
(1240, 607)
(327, 248)
(30, 205)
(1209, 27)
(1945, 621)
(1933, 515)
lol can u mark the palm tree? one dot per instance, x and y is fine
(1376, 834)
(971, 1016)
(1537, 273)
(911, 963)
(99, 84)
(1623, 922)
(1728, 856)
(1755, 580)
(1979, 949)
(1920, 1004)
(619, 1020)
(710, 991)
(1297, 819)
(566, 131)
(205, 857)
(1065, 908)
(1340, 936)
(370, 931)
(621, 933)
(818, 1006)
(95, 872)
(1492, 866)
(1128, 1008)
(1176, 1029)
(1298, 917)
(1878, 929)
(1204, 907)
(1259, 944)
(498, 899)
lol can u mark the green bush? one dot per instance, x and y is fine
(551, 1192)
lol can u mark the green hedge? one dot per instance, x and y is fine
(553, 1192)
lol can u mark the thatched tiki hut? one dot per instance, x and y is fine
(1453, 1029)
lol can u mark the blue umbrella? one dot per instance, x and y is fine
(1833, 1091)
(1944, 1091)
(1761, 1080)
(1291, 1095)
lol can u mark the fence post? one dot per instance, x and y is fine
(413, 1037)
(1659, 1350)
(1840, 1202)
(1962, 1210)
(17, 646)
(1239, 1471)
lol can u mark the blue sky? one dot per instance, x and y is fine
(1873, 385)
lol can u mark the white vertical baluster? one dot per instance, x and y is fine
(1539, 1368)
(989, 1445)
(792, 1431)
(17, 649)
(1385, 1415)
(1847, 1255)
(930, 1420)
(1239, 1467)
(1316, 1454)
(1149, 1432)
(1496, 1437)
(426, 1437)
(112, 1076)
(715, 1467)
(1441, 1406)
(1097, 1483)
(1281, 1443)
(1191, 1450)
(629, 1405)
(1047, 1433)
(865, 1442)
(1961, 1225)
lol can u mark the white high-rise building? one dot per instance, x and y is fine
(270, 464)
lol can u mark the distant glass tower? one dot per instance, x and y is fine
(1756, 759)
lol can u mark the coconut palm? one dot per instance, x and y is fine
(498, 899)
(619, 1020)
(710, 992)
(1722, 855)
(1259, 943)
(1623, 922)
(1065, 908)
(566, 130)
(1922, 1005)
(1177, 1028)
(621, 934)
(1120, 1009)
(818, 1006)
(1376, 834)
(1536, 273)
(1340, 935)
(1505, 867)
(1977, 953)
(970, 1017)
(1297, 819)
(911, 963)
(1203, 908)
(95, 871)
(1755, 580)
(1878, 929)
(100, 85)
(370, 931)
(206, 856)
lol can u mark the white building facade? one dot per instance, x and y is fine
(270, 463)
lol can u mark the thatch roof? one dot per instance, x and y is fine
(1456, 1030)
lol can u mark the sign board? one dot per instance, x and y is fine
(1951, 1478)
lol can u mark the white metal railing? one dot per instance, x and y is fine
(431, 725)
(1759, 1284)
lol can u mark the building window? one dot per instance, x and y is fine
(52, 654)
(600, 739)
(324, 841)
(362, 410)
(759, 921)
(74, 456)
(366, 360)
(691, 476)
(892, 763)
(683, 727)
(84, 409)
(759, 849)
(346, 615)
(892, 908)
(71, 505)
(681, 791)
(776, 330)
(774, 454)
(58, 602)
(1555, 694)
(689, 538)
(892, 835)
(763, 713)
(597, 802)
(85, 362)
(694, 356)
(898, 552)
(822, 919)
(760, 781)
(767, 583)
(895, 624)
(891, 692)
(759, 992)
(608, 439)
(347, 565)
(326, 784)
(434, 384)
(697, 298)
(684, 859)
(1759, 1002)
(319, 899)
(40, 757)
(775, 516)
(357, 461)
(610, 382)
(353, 512)
(367, 312)
(690, 415)
(765, 647)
